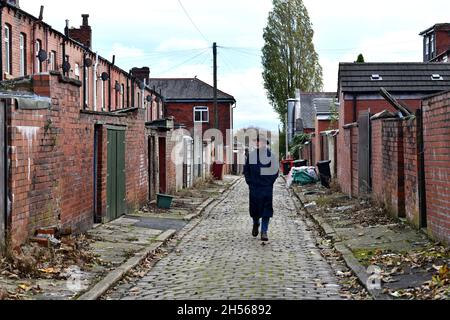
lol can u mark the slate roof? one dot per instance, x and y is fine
(396, 77)
(308, 110)
(187, 89)
(323, 106)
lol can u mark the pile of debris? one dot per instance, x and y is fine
(38, 260)
(431, 261)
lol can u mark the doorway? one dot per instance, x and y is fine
(116, 194)
(3, 175)
(162, 165)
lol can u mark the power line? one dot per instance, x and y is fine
(185, 62)
(192, 21)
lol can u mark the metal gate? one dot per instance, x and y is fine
(116, 174)
(364, 154)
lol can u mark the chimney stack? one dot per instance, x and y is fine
(143, 74)
(85, 20)
(84, 33)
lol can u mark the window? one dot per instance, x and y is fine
(38, 62)
(432, 45)
(77, 71)
(8, 61)
(87, 86)
(103, 96)
(23, 54)
(201, 114)
(53, 60)
(427, 46)
(139, 99)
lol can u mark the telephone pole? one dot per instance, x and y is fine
(216, 111)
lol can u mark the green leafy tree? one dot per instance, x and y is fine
(289, 58)
(360, 59)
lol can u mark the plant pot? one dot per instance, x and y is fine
(164, 201)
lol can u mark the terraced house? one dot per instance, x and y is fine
(80, 137)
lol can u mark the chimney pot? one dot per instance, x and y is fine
(85, 20)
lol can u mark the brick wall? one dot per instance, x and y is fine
(393, 167)
(437, 165)
(377, 161)
(412, 208)
(52, 161)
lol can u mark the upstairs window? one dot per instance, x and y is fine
(38, 62)
(23, 54)
(8, 51)
(432, 45)
(201, 114)
(53, 60)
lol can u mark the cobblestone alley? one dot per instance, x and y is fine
(220, 259)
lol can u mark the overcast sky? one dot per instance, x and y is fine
(158, 34)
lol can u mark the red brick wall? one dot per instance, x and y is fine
(442, 41)
(377, 161)
(52, 162)
(321, 126)
(345, 154)
(354, 161)
(437, 165)
(412, 208)
(393, 167)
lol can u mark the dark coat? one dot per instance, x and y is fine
(261, 175)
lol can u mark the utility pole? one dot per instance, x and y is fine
(216, 111)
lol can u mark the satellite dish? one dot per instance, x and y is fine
(105, 76)
(142, 85)
(117, 87)
(42, 55)
(88, 62)
(66, 66)
(149, 98)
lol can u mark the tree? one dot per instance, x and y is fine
(289, 58)
(360, 59)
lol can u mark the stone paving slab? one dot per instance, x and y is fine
(219, 259)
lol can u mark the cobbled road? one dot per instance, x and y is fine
(220, 260)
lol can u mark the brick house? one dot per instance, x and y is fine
(190, 102)
(306, 116)
(436, 43)
(324, 123)
(82, 138)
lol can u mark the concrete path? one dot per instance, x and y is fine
(220, 259)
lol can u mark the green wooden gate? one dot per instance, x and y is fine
(116, 203)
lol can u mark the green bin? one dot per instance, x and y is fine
(164, 201)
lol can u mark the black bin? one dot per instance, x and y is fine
(300, 163)
(325, 172)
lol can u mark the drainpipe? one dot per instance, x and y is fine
(1, 42)
(95, 82)
(128, 92)
(85, 88)
(66, 36)
(355, 109)
(109, 81)
(421, 170)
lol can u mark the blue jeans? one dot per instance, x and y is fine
(265, 224)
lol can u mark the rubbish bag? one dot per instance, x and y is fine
(304, 175)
